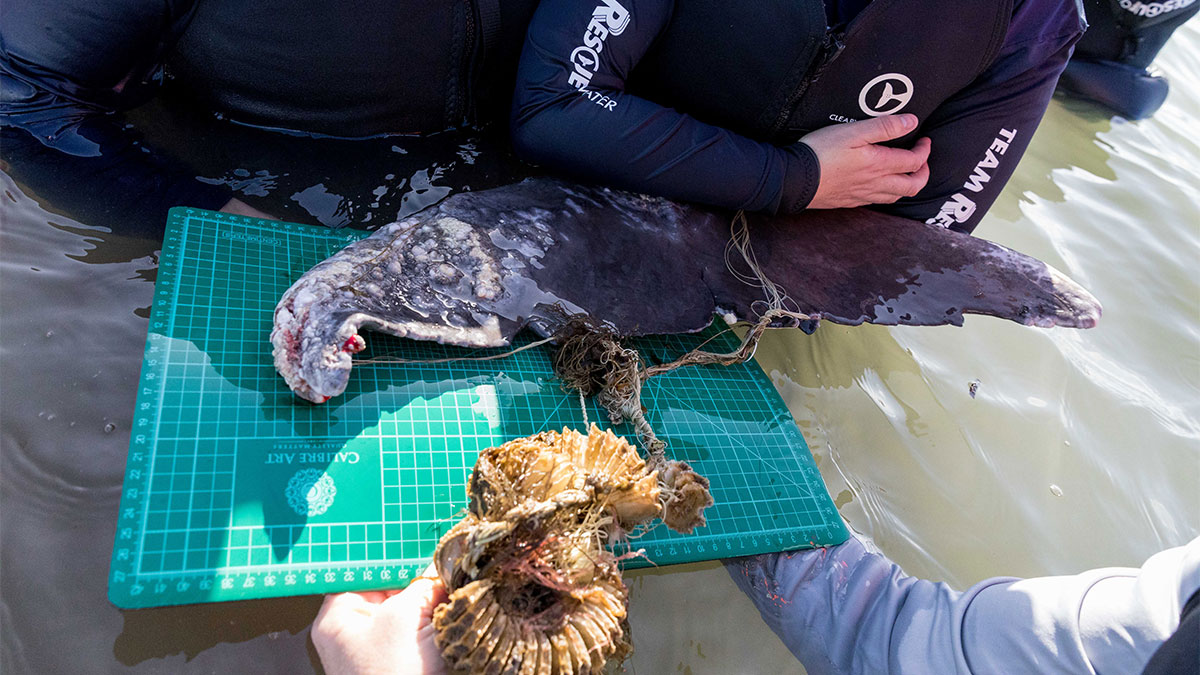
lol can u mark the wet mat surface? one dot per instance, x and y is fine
(236, 489)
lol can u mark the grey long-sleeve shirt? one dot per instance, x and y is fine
(846, 609)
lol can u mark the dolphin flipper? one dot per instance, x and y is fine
(480, 266)
(858, 265)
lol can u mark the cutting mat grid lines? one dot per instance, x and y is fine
(237, 489)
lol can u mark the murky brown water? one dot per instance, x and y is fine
(1079, 449)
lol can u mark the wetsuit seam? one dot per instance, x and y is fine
(175, 27)
(1044, 39)
(1067, 33)
(1000, 28)
(454, 64)
(810, 179)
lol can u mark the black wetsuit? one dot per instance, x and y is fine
(702, 100)
(980, 73)
(1131, 31)
(343, 69)
(1110, 62)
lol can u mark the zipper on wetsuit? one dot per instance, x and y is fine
(469, 66)
(831, 47)
(485, 37)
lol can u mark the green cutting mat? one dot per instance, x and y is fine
(236, 489)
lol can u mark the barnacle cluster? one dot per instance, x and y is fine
(532, 587)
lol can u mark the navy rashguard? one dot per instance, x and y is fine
(705, 101)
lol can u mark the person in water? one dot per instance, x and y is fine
(1111, 63)
(701, 101)
(67, 67)
(848, 609)
(924, 106)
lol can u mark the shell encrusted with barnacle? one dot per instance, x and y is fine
(532, 587)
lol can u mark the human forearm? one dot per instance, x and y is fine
(652, 149)
(845, 609)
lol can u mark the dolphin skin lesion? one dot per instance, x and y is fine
(479, 267)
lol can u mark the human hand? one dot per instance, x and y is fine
(855, 171)
(381, 631)
(240, 208)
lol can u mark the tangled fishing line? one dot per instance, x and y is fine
(593, 359)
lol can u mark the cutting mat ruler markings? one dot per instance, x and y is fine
(235, 489)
